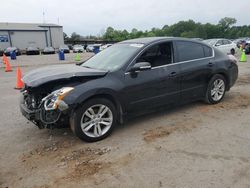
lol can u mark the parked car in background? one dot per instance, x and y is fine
(78, 48)
(246, 45)
(1, 52)
(8, 50)
(90, 48)
(127, 79)
(225, 45)
(70, 46)
(242, 41)
(198, 39)
(48, 50)
(64, 48)
(103, 47)
(32, 51)
(247, 48)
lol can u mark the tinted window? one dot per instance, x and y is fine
(189, 50)
(207, 51)
(157, 55)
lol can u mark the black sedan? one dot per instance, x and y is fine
(48, 50)
(32, 51)
(8, 50)
(64, 48)
(127, 79)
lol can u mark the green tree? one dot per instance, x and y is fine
(75, 37)
(190, 29)
(109, 34)
(65, 36)
(226, 23)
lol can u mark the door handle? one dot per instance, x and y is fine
(172, 74)
(210, 64)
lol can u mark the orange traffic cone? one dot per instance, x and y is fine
(4, 58)
(19, 82)
(7, 66)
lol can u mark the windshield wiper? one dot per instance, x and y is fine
(93, 68)
(87, 67)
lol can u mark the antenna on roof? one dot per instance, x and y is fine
(58, 20)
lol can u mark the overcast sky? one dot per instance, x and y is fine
(94, 16)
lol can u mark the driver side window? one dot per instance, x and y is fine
(157, 55)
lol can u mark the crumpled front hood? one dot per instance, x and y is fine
(43, 75)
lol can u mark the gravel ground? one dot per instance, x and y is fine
(41, 60)
(196, 145)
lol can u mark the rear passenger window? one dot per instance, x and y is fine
(189, 50)
(207, 51)
(225, 42)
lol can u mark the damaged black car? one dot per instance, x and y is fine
(128, 79)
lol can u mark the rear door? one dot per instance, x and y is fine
(228, 45)
(197, 65)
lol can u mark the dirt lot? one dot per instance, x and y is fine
(196, 145)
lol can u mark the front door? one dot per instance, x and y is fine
(155, 87)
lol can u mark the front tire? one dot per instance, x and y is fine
(216, 89)
(94, 120)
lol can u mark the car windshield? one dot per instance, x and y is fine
(113, 57)
(32, 48)
(77, 46)
(64, 46)
(210, 41)
(48, 48)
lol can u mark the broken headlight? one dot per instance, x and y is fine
(55, 99)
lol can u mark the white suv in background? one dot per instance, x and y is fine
(225, 45)
(78, 48)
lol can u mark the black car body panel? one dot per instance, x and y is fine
(43, 75)
(32, 51)
(133, 93)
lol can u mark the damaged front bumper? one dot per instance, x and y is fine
(46, 118)
(32, 115)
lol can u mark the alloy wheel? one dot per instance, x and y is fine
(218, 89)
(96, 120)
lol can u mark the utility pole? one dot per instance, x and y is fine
(43, 16)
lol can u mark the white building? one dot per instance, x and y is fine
(23, 35)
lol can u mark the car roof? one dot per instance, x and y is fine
(146, 40)
(218, 39)
(149, 40)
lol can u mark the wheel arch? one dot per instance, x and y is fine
(110, 97)
(225, 75)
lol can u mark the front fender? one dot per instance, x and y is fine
(93, 88)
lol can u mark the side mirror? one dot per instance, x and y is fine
(141, 66)
(217, 44)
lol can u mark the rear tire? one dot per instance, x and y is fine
(216, 89)
(94, 120)
(232, 51)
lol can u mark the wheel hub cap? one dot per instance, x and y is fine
(218, 89)
(96, 120)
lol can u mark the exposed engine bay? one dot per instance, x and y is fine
(46, 104)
